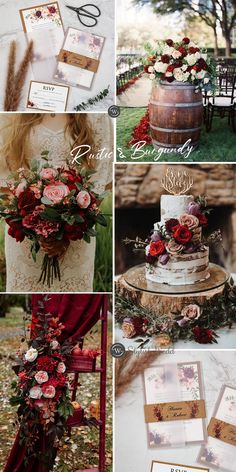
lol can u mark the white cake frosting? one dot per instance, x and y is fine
(181, 269)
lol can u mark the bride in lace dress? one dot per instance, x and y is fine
(58, 134)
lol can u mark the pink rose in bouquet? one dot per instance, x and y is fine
(48, 391)
(83, 199)
(56, 192)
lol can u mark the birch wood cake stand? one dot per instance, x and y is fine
(162, 299)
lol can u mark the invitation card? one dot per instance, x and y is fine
(79, 58)
(220, 451)
(47, 97)
(174, 407)
(169, 467)
(43, 20)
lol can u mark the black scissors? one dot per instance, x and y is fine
(90, 11)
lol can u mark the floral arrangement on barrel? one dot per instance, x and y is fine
(181, 61)
(42, 389)
(51, 207)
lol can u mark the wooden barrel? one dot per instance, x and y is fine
(176, 113)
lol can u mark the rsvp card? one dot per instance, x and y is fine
(174, 409)
(47, 97)
(169, 467)
(79, 58)
(220, 450)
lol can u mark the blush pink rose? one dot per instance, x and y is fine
(20, 188)
(48, 174)
(174, 248)
(56, 192)
(35, 392)
(49, 391)
(83, 199)
(190, 221)
(191, 312)
(41, 377)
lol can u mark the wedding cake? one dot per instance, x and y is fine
(176, 254)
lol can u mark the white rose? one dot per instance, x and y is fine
(193, 72)
(184, 67)
(41, 377)
(206, 80)
(151, 69)
(160, 67)
(168, 50)
(152, 76)
(197, 55)
(176, 54)
(35, 393)
(61, 368)
(54, 345)
(204, 56)
(191, 59)
(169, 74)
(31, 355)
(200, 75)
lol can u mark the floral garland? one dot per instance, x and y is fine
(93, 100)
(42, 389)
(195, 322)
(181, 61)
(141, 131)
(128, 84)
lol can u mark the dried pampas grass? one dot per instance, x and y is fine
(129, 367)
(15, 81)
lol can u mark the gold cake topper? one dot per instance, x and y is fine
(177, 182)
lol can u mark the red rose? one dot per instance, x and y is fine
(52, 10)
(27, 202)
(183, 51)
(191, 50)
(157, 248)
(182, 234)
(178, 63)
(165, 58)
(202, 219)
(170, 224)
(202, 63)
(170, 79)
(73, 232)
(15, 230)
(186, 40)
(170, 42)
(203, 335)
(170, 68)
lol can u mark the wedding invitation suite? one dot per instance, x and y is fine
(47, 97)
(174, 409)
(79, 58)
(220, 451)
(169, 467)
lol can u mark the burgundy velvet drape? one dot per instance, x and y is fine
(79, 313)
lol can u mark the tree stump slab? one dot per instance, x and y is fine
(163, 299)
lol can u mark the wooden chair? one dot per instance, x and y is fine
(222, 104)
(79, 419)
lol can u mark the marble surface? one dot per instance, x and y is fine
(226, 340)
(132, 453)
(11, 28)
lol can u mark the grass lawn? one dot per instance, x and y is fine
(81, 450)
(218, 145)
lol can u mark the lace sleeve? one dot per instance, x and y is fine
(104, 140)
(4, 170)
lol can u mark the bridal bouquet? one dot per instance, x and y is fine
(181, 61)
(50, 205)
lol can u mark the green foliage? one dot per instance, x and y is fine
(103, 260)
(92, 101)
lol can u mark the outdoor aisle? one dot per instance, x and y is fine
(137, 95)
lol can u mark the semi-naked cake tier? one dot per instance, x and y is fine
(181, 269)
